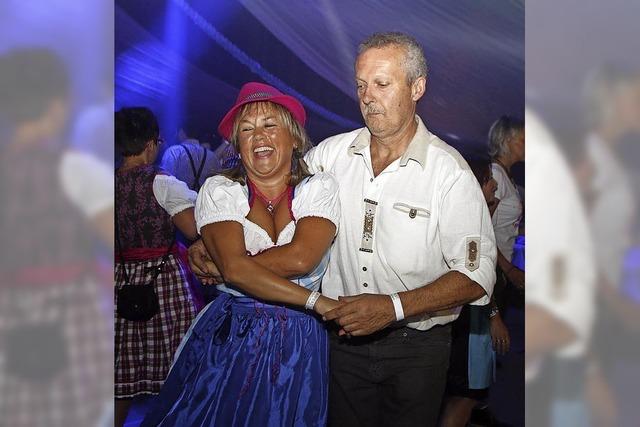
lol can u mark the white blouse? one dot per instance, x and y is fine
(87, 181)
(172, 194)
(221, 199)
(506, 218)
(613, 211)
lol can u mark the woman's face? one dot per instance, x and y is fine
(489, 188)
(265, 143)
(517, 147)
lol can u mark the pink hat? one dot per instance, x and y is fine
(255, 92)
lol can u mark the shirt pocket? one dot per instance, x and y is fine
(412, 211)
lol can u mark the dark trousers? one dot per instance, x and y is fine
(395, 377)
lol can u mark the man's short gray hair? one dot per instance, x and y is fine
(414, 63)
(502, 133)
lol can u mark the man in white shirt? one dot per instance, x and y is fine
(415, 242)
(190, 162)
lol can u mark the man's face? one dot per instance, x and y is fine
(387, 100)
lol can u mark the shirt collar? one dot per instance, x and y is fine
(416, 151)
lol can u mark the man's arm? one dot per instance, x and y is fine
(468, 246)
(368, 313)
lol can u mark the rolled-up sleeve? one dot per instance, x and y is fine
(466, 234)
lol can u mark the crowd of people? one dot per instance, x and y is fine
(356, 277)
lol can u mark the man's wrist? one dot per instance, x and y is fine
(397, 306)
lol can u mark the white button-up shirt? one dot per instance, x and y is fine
(176, 162)
(421, 217)
(560, 268)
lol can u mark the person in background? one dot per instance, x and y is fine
(227, 155)
(561, 285)
(150, 205)
(506, 147)
(189, 161)
(612, 96)
(477, 334)
(56, 349)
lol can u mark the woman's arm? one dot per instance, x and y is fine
(178, 200)
(513, 273)
(311, 240)
(186, 223)
(225, 242)
(493, 205)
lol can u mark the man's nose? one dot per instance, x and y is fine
(366, 96)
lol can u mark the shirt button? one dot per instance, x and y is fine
(364, 268)
(365, 284)
(370, 179)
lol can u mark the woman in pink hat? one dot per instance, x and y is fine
(258, 355)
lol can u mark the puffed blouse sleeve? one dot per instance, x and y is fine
(317, 196)
(172, 194)
(221, 199)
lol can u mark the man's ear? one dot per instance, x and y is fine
(418, 88)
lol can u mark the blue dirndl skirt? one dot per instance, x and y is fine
(246, 363)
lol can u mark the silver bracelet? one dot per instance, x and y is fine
(311, 301)
(397, 306)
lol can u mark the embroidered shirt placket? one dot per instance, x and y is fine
(372, 193)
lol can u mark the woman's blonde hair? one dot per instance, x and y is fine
(299, 169)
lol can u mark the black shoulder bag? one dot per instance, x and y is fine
(139, 303)
(196, 175)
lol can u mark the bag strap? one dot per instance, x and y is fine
(196, 175)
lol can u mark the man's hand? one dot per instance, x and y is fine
(202, 265)
(363, 314)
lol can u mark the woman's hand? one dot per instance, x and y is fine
(516, 276)
(325, 304)
(202, 265)
(499, 335)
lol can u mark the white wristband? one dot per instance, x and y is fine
(311, 301)
(397, 306)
